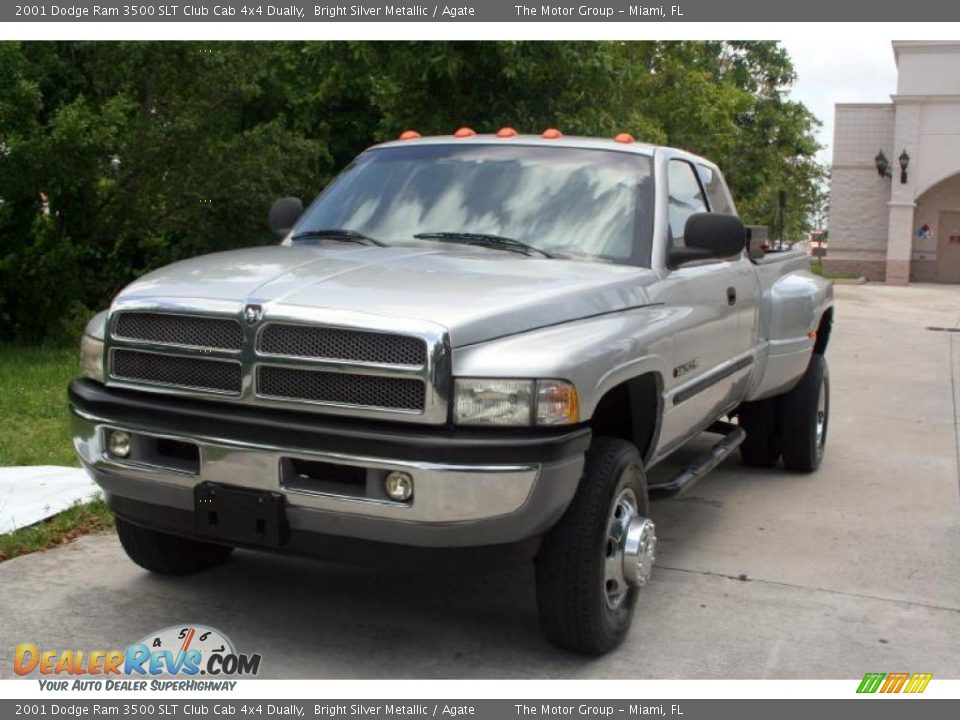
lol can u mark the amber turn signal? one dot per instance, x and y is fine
(557, 403)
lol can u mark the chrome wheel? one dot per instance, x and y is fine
(639, 552)
(821, 419)
(628, 549)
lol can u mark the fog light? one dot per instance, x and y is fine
(399, 486)
(118, 443)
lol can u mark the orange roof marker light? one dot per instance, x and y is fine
(465, 132)
(506, 132)
(623, 138)
(551, 134)
(409, 135)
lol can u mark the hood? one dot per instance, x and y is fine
(476, 294)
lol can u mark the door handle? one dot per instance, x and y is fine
(731, 296)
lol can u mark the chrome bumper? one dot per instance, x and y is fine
(452, 504)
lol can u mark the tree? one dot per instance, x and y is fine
(152, 152)
(724, 100)
(148, 152)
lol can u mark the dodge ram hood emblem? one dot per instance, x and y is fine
(252, 313)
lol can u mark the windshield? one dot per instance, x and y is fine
(560, 200)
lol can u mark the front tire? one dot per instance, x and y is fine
(586, 594)
(168, 554)
(803, 416)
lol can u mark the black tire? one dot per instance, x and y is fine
(761, 448)
(168, 554)
(799, 415)
(571, 599)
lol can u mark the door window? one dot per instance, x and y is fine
(717, 192)
(685, 197)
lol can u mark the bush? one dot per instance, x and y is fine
(151, 152)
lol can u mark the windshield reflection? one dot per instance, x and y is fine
(562, 200)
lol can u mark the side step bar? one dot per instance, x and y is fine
(733, 436)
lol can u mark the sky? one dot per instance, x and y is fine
(832, 72)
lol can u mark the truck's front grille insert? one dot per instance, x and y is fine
(340, 344)
(220, 333)
(194, 373)
(341, 389)
(388, 371)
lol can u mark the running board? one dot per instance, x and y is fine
(733, 436)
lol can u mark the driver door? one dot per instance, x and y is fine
(704, 295)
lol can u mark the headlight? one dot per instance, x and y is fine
(91, 347)
(514, 403)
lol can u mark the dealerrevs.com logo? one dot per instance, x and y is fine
(185, 651)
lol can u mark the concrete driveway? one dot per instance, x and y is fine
(761, 574)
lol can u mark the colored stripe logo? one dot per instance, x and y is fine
(894, 682)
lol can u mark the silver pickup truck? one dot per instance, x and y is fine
(466, 347)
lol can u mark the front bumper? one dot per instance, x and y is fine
(471, 488)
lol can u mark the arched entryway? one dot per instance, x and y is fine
(936, 239)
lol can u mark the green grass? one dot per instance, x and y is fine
(60, 529)
(35, 430)
(34, 419)
(817, 269)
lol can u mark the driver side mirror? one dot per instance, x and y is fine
(709, 236)
(284, 214)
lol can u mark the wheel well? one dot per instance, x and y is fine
(823, 332)
(631, 411)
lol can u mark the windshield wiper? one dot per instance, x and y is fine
(338, 234)
(483, 239)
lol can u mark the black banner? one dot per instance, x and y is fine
(486, 11)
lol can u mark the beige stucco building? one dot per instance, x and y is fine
(881, 227)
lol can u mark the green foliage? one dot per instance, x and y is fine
(77, 520)
(152, 152)
(34, 419)
(35, 430)
(148, 153)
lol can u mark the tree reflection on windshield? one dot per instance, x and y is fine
(583, 202)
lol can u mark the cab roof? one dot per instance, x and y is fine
(570, 141)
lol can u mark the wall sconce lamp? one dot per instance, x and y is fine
(883, 165)
(904, 162)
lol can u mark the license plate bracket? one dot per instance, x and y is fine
(240, 515)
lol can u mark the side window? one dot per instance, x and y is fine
(717, 192)
(685, 197)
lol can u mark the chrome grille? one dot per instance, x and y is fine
(358, 365)
(196, 373)
(221, 333)
(339, 344)
(341, 389)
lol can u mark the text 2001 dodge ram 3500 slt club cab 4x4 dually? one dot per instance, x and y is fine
(465, 343)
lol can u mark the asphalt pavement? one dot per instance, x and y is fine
(761, 574)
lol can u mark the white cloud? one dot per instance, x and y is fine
(830, 72)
